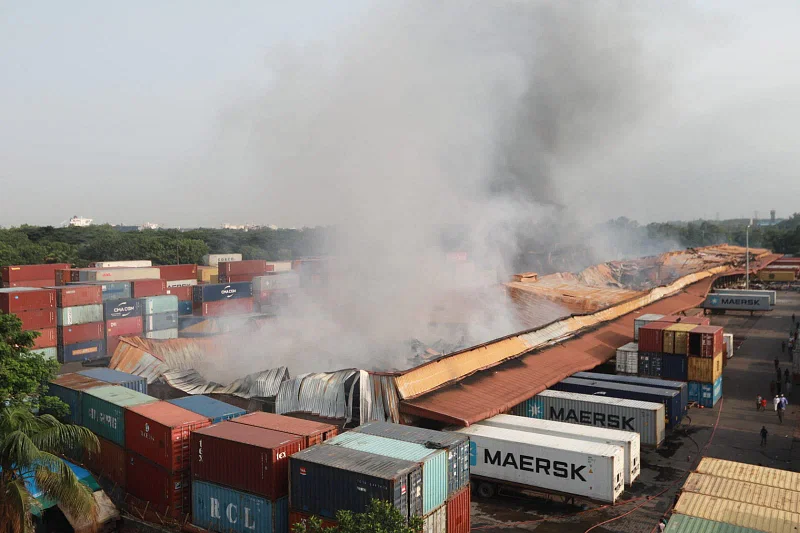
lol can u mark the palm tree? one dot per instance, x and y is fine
(30, 446)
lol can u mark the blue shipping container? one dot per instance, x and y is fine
(129, 381)
(705, 394)
(184, 307)
(218, 508)
(645, 382)
(674, 366)
(82, 351)
(122, 308)
(161, 321)
(650, 364)
(214, 292)
(112, 290)
(670, 398)
(211, 408)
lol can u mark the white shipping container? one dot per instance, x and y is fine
(773, 295)
(162, 334)
(628, 358)
(728, 340)
(435, 522)
(585, 469)
(121, 264)
(629, 440)
(280, 266)
(123, 274)
(285, 281)
(641, 321)
(215, 259)
(182, 283)
(737, 302)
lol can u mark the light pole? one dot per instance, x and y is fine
(747, 264)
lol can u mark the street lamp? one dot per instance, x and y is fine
(747, 264)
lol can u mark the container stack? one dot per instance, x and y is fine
(273, 291)
(213, 260)
(30, 275)
(160, 317)
(236, 271)
(215, 299)
(705, 362)
(36, 308)
(180, 279)
(123, 318)
(207, 274)
(81, 329)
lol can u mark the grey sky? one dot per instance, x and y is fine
(133, 112)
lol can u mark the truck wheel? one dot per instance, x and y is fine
(486, 490)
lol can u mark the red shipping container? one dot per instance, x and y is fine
(237, 278)
(31, 272)
(25, 300)
(240, 306)
(676, 319)
(297, 517)
(251, 266)
(651, 337)
(244, 458)
(37, 319)
(80, 333)
(109, 461)
(63, 276)
(132, 325)
(79, 295)
(178, 272)
(160, 432)
(311, 432)
(184, 294)
(142, 288)
(75, 274)
(458, 518)
(38, 283)
(47, 339)
(112, 341)
(167, 492)
(711, 341)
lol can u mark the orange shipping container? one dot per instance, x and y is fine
(312, 432)
(458, 511)
(109, 461)
(705, 369)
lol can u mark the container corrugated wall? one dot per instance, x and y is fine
(681, 523)
(159, 304)
(458, 511)
(123, 379)
(644, 320)
(737, 513)
(165, 491)
(650, 364)
(741, 491)
(706, 394)
(110, 461)
(705, 369)
(674, 366)
(212, 408)
(219, 508)
(103, 410)
(760, 475)
(435, 522)
(69, 389)
(81, 314)
(643, 381)
(162, 334)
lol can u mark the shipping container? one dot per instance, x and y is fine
(628, 440)
(284, 280)
(704, 369)
(112, 290)
(153, 305)
(773, 295)
(37, 318)
(47, 338)
(25, 299)
(185, 307)
(148, 287)
(456, 445)
(162, 334)
(674, 367)
(112, 341)
(69, 389)
(117, 327)
(311, 432)
(225, 307)
(732, 302)
(642, 320)
(218, 508)
(706, 394)
(280, 266)
(326, 479)
(214, 292)
(681, 523)
(81, 333)
(178, 272)
(75, 295)
(236, 278)
(122, 308)
(727, 339)
(744, 492)
(81, 351)
(650, 364)
(161, 321)
(115, 377)
(102, 409)
(32, 272)
(651, 337)
(62, 276)
(167, 492)
(542, 462)
(81, 314)
(50, 353)
(36, 283)
(760, 475)
(237, 268)
(680, 338)
(680, 319)
(458, 511)
(435, 521)
(645, 418)
(705, 341)
(121, 264)
(159, 432)
(298, 517)
(181, 283)
(214, 260)
(737, 513)
(205, 273)
(645, 382)
(184, 294)
(244, 457)
(110, 461)
(670, 398)
(627, 358)
(120, 274)
(210, 408)
(434, 464)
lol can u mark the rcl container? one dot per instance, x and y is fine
(69, 389)
(627, 359)
(81, 333)
(544, 462)
(82, 314)
(178, 272)
(218, 508)
(81, 351)
(165, 491)
(352, 479)
(214, 292)
(17, 299)
(110, 461)
(47, 338)
(651, 337)
(311, 432)
(211, 408)
(117, 327)
(37, 319)
(705, 341)
(458, 511)
(148, 287)
(225, 307)
(629, 440)
(160, 431)
(31, 272)
(122, 308)
(74, 295)
(103, 410)
(123, 379)
(645, 382)
(244, 458)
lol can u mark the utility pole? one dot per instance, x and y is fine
(747, 267)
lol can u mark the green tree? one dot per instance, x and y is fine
(380, 517)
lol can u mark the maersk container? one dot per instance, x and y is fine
(174, 284)
(645, 382)
(742, 292)
(211, 408)
(122, 308)
(162, 334)
(645, 418)
(82, 314)
(115, 377)
(324, 479)
(103, 410)
(69, 389)
(214, 292)
(434, 463)
(215, 259)
(629, 440)
(641, 321)
(153, 305)
(555, 464)
(706, 394)
(112, 290)
(650, 364)
(456, 445)
(627, 359)
(161, 321)
(733, 302)
(674, 366)
(82, 351)
(219, 508)
(670, 398)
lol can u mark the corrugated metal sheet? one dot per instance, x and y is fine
(742, 491)
(681, 523)
(322, 394)
(737, 513)
(760, 475)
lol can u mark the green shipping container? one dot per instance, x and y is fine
(434, 462)
(103, 410)
(153, 305)
(81, 314)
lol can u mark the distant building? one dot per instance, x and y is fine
(149, 225)
(242, 227)
(80, 222)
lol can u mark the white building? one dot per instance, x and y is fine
(80, 222)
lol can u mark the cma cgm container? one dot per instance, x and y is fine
(643, 320)
(214, 292)
(705, 341)
(645, 418)
(225, 307)
(456, 445)
(542, 462)
(214, 260)
(650, 364)
(458, 511)
(81, 351)
(434, 464)
(244, 458)
(69, 389)
(18, 299)
(112, 290)
(117, 327)
(325, 479)
(311, 432)
(120, 274)
(148, 287)
(115, 377)
(122, 308)
(178, 272)
(37, 319)
(645, 382)
(705, 369)
(153, 305)
(651, 337)
(74, 295)
(103, 410)
(210, 408)
(161, 321)
(31, 272)
(82, 314)
(706, 394)
(159, 432)
(674, 366)
(109, 461)
(166, 491)
(627, 359)
(676, 338)
(81, 333)
(218, 508)
(629, 440)
(670, 398)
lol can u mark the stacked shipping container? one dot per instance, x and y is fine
(81, 335)
(36, 308)
(236, 271)
(223, 299)
(30, 275)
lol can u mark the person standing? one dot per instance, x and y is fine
(758, 402)
(763, 404)
(775, 402)
(784, 403)
(764, 434)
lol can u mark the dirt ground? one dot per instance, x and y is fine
(728, 431)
